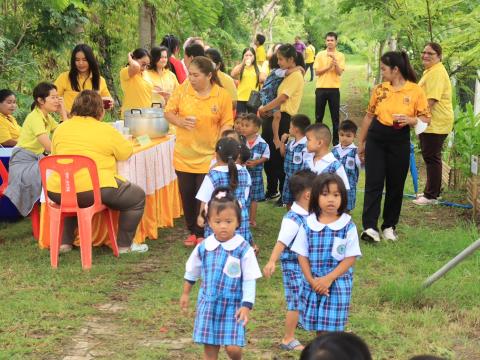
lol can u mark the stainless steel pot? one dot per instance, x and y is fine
(146, 121)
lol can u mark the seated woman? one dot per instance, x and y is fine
(85, 134)
(9, 129)
(24, 183)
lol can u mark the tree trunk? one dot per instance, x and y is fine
(380, 53)
(147, 19)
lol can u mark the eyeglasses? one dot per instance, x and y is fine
(428, 53)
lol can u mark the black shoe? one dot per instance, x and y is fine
(270, 196)
(279, 203)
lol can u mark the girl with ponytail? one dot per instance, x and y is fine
(226, 173)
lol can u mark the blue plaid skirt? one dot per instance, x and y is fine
(215, 323)
(292, 283)
(351, 199)
(287, 196)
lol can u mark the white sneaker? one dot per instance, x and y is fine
(422, 201)
(134, 248)
(389, 234)
(370, 235)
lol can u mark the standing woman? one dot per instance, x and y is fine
(136, 82)
(226, 81)
(384, 142)
(289, 97)
(24, 182)
(164, 81)
(83, 75)
(250, 77)
(9, 128)
(201, 110)
(436, 84)
(173, 45)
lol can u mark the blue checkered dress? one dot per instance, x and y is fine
(351, 168)
(319, 312)
(221, 179)
(330, 169)
(257, 191)
(220, 296)
(291, 273)
(293, 162)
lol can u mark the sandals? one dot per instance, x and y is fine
(291, 346)
(190, 241)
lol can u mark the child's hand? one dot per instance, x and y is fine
(200, 221)
(184, 302)
(269, 269)
(322, 285)
(251, 163)
(284, 138)
(242, 315)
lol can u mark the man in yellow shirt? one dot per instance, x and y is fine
(309, 58)
(261, 54)
(329, 66)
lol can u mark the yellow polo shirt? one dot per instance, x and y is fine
(9, 128)
(260, 55)
(228, 84)
(166, 80)
(99, 141)
(137, 91)
(64, 88)
(292, 86)
(195, 148)
(309, 54)
(35, 124)
(329, 79)
(247, 84)
(435, 82)
(409, 100)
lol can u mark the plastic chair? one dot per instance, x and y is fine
(66, 166)
(35, 218)
(4, 177)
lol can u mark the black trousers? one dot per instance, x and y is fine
(387, 158)
(309, 66)
(332, 96)
(188, 185)
(274, 166)
(431, 145)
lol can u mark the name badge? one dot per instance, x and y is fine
(144, 140)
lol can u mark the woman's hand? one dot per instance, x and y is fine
(361, 152)
(242, 315)
(276, 141)
(284, 138)
(200, 221)
(188, 122)
(404, 120)
(261, 111)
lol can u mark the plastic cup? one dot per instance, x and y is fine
(396, 124)
(107, 103)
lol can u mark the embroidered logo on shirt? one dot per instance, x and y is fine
(341, 249)
(297, 158)
(406, 100)
(214, 109)
(350, 163)
(232, 267)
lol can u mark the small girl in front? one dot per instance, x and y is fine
(229, 269)
(327, 248)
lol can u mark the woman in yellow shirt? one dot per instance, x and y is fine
(24, 183)
(136, 82)
(436, 84)
(87, 135)
(226, 81)
(201, 110)
(250, 77)
(164, 81)
(83, 74)
(384, 142)
(9, 129)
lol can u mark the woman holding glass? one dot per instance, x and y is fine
(164, 81)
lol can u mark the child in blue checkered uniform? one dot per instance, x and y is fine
(226, 173)
(259, 154)
(327, 249)
(346, 152)
(301, 186)
(228, 268)
(322, 160)
(294, 152)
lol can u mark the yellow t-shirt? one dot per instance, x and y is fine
(9, 128)
(436, 85)
(385, 101)
(194, 149)
(35, 124)
(99, 141)
(329, 79)
(292, 86)
(166, 80)
(247, 84)
(309, 54)
(64, 88)
(261, 55)
(228, 84)
(137, 91)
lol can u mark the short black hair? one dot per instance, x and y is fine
(336, 346)
(321, 132)
(244, 153)
(5, 93)
(250, 117)
(194, 50)
(260, 38)
(301, 122)
(319, 185)
(332, 34)
(348, 126)
(300, 181)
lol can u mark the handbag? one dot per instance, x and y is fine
(254, 101)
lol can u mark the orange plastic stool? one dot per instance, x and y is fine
(66, 166)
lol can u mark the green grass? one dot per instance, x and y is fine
(41, 309)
